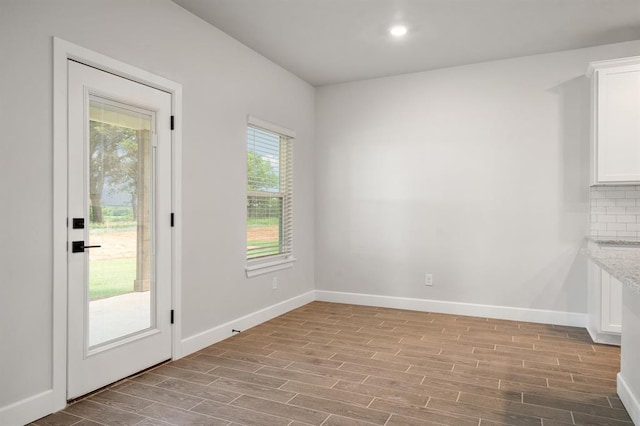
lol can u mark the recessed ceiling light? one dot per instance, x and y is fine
(398, 30)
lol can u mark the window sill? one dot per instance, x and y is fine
(260, 267)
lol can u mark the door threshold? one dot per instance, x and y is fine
(110, 385)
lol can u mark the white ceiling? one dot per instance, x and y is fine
(334, 41)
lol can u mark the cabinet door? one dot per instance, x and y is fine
(618, 124)
(594, 298)
(611, 303)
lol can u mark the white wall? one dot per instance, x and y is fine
(476, 174)
(223, 81)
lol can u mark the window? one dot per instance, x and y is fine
(269, 197)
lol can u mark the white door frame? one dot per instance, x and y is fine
(62, 52)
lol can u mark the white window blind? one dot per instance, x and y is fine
(269, 193)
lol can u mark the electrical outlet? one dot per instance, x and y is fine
(428, 279)
(274, 283)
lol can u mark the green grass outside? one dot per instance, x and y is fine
(262, 252)
(263, 221)
(111, 277)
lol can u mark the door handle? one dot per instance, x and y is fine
(79, 247)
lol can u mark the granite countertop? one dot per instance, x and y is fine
(621, 258)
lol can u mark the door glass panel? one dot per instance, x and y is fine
(120, 280)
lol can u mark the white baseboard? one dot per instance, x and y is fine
(209, 337)
(27, 410)
(631, 402)
(604, 338)
(456, 308)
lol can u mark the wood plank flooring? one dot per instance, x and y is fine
(344, 365)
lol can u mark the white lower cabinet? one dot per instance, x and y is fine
(605, 306)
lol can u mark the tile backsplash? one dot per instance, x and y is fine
(615, 211)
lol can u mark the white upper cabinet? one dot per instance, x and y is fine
(615, 121)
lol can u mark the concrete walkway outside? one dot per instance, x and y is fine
(118, 316)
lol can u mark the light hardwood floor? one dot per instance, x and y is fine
(344, 365)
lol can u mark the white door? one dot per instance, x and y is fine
(119, 236)
(611, 303)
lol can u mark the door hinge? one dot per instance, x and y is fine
(172, 122)
(172, 219)
(172, 316)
